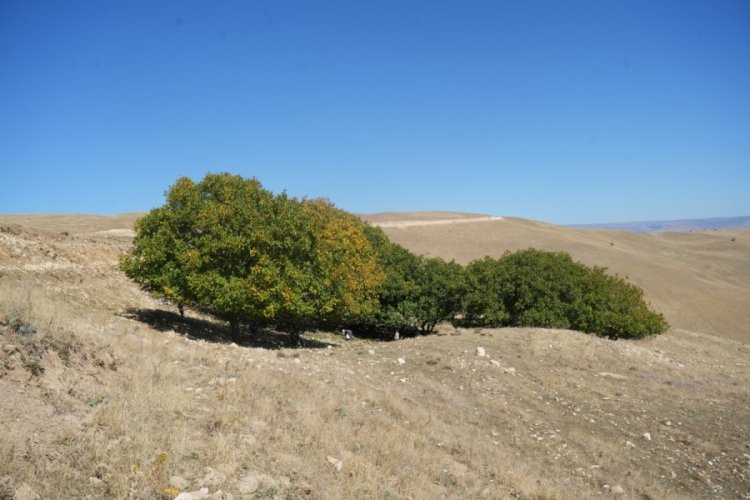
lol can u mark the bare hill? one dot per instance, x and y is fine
(700, 281)
(108, 393)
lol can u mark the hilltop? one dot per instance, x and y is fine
(108, 393)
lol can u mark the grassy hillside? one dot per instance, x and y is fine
(700, 281)
(107, 393)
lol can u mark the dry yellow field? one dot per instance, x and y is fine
(107, 393)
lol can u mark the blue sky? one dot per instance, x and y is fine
(562, 111)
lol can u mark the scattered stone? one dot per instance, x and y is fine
(200, 494)
(617, 490)
(510, 370)
(629, 444)
(495, 362)
(401, 361)
(480, 352)
(337, 464)
(615, 376)
(370, 352)
(222, 381)
(647, 436)
(247, 485)
(179, 482)
(95, 481)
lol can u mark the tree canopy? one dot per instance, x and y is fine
(548, 289)
(227, 246)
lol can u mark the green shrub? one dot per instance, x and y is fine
(417, 292)
(548, 289)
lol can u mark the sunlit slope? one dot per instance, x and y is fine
(700, 281)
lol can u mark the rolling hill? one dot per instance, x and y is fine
(700, 281)
(106, 392)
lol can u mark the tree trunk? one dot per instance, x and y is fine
(234, 329)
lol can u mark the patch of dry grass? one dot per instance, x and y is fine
(125, 401)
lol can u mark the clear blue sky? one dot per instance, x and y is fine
(562, 111)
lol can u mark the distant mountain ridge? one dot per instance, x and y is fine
(678, 226)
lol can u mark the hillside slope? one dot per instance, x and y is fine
(700, 281)
(108, 393)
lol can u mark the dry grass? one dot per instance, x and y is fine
(129, 395)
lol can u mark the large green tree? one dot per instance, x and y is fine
(230, 247)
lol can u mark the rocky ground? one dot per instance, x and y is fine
(107, 393)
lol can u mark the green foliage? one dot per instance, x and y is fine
(417, 292)
(486, 286)
(230, 247)
(399, 289)
(344, 269)
(548, 289)
(440, 284)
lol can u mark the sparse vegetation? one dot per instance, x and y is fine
(446, 423)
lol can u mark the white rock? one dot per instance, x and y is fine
(495, 362)
(511, 370)
(647, 436)
(480, 352)
(337, 464)
(193, 495)
(617, 490)
(401, 361)
(629, 444)
(95, 481)
(370, 352)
